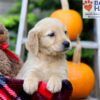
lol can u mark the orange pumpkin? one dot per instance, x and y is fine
(72, 21)
(80, 75)
(82, 78)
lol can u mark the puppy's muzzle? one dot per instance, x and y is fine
(66, 45)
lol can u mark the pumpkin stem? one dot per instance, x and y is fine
(77, 52)
(65, 4)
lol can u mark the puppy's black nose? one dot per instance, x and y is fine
(66, 44)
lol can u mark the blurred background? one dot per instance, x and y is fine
(10, 11)
(37, 9)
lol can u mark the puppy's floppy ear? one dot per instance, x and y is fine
(32, 43)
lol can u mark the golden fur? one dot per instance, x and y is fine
(46, 58)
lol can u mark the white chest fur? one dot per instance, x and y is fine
(44, 67)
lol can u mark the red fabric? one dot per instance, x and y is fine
(4, 95)
(7, 93)
(43, 91)
(4, 47)
(12, 89)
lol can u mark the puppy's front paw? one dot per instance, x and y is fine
(54, 85)
(30, 85)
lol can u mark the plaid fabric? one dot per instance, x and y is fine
(12, 89)
(6, 93)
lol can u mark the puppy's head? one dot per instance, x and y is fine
(49, 36)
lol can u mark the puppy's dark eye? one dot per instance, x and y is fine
(65, 32)
(51, 34)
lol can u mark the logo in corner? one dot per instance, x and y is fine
(91, 9)
(88, 4)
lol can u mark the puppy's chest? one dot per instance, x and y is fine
(46, 69)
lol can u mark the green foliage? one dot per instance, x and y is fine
(45, 5)
(10, 22)
(32, 19)
(16, 9)
(87, 56)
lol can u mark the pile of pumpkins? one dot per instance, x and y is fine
(80, 74)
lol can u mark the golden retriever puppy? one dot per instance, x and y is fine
(47, 43)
